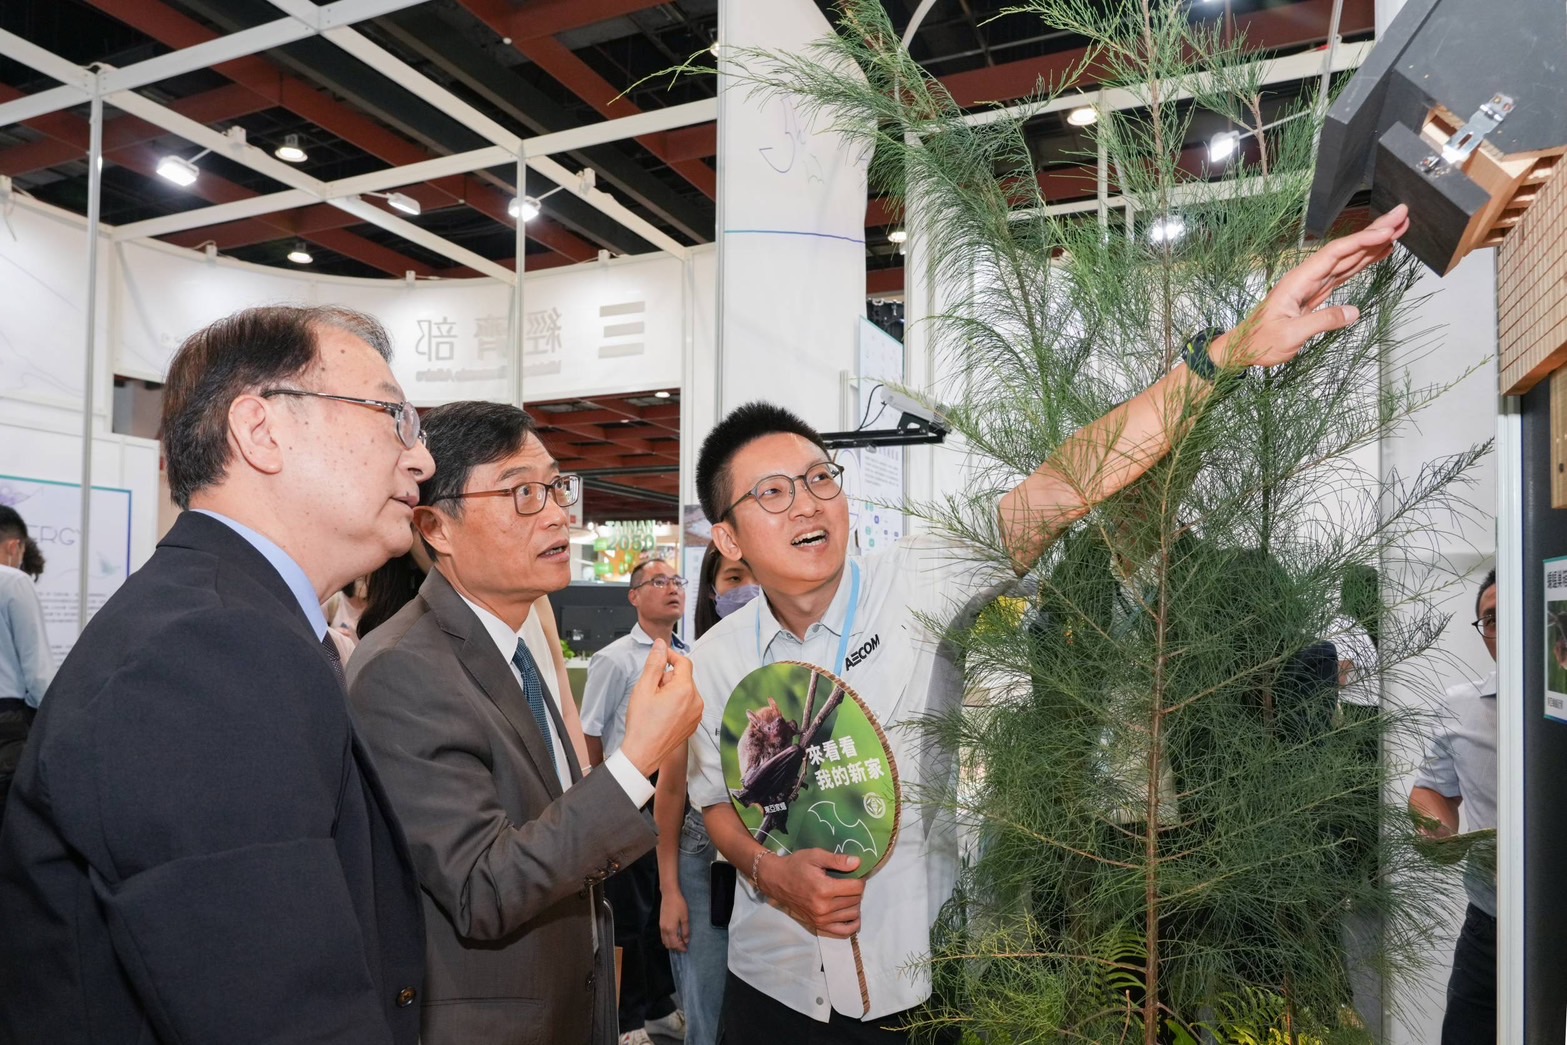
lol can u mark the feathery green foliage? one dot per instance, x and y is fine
(1172, 814)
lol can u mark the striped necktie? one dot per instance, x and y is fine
(533, 689)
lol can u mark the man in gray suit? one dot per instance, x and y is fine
(510, 841)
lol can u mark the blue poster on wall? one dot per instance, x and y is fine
(53, 513)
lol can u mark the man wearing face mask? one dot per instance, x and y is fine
(26, 666)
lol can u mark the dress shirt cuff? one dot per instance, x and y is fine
(633, 783)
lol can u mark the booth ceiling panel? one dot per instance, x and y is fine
(525, 67)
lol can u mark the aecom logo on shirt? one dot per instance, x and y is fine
(861, 653)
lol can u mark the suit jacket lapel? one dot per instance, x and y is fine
(492, 672)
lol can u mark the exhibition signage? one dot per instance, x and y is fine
(53, 512)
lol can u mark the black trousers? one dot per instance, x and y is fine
(753, 1018)
(647, 984)
(1471, 990)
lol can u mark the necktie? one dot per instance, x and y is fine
(331, 655)
(533, 689)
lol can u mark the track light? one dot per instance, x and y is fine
(179, 170)
(1083, 116)
(898, 236)
(300, 255)
(400, 201)
(290, 151)
(661, 394)
(1223, 145)
(1167, 229)
(524, 208)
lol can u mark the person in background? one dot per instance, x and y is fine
(1460, 771)
(26, 665)
(722, 587)
(510, 840)
(32, 560)
(697, 892)
(647, 985)
(198, 847)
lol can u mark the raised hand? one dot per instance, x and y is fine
(1292, 313)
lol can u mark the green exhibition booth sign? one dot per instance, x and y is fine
(807, 765)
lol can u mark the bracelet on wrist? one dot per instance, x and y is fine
(1194, 353)
(756, 870)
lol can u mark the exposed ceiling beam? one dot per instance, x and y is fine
(428, 34)
(261, 162)
(548, 17)
(1274, 28)
(578, 77)
(217, 106)
(174, 29)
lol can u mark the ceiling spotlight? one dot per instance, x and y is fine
(525, 208)
(179, 170)
(1083, 116)
(300, 255)
(1167, 229)
(1223, 145)
(406, 204)
(289, 151)
(661, 394)
(898, 236)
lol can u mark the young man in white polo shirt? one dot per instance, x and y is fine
(771, 491)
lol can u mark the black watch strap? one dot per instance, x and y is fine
(1195, 354)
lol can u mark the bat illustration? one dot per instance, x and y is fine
(852, 839)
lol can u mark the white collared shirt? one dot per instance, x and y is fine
(897, 666)
(612, 675)
(633, 783)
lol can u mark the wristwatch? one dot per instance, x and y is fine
(1194, 353)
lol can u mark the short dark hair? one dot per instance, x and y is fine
(461, 436)
(744, 425)
(643, 563)
(1485, 586)
(32, 559)
(12, 526)
(250, 350)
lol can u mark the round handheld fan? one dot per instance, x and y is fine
(808, 766)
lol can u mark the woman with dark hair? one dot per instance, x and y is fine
(723, 587)
(693, 909)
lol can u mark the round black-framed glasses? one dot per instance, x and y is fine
(775, 494)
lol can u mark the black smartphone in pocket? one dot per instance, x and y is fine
(721, 893)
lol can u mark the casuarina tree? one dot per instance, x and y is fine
(1170, 816)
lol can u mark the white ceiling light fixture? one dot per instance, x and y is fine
(400, 201)
(898, 236)
(526, 208)
(1167, 230)
(661, 394)
(290, 151)
(523, 208)
(300, 255)
(181, 171)
(1083, 116)
(1223, 145)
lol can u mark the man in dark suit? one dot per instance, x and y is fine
(197, 847)
(510, 840)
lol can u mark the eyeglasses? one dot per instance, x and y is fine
(775, 493)
(663, 582)
(530, 498)
(404, 414)
(1485, 625)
